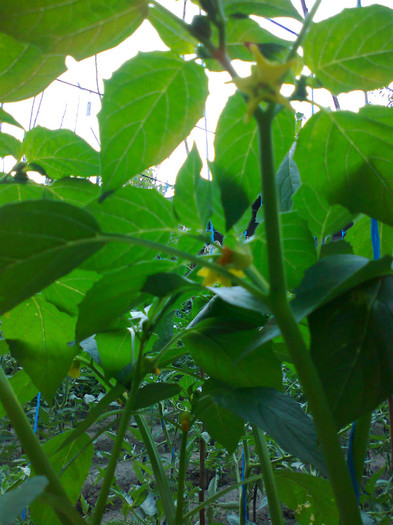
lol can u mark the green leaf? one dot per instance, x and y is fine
(265, 8)
(113, 295)
(78, 192)
(116, 350)
(287, 180)
(160, 97)
(153, 393)
(221, 424)
(280, 416)
(72, 476)
(17, 192)
(241, 30)
(359, 235)
(37, 334)
(24, 69)
(23, 388)
(60, 153)
(134, 211)
(310, 497)
(346, 157)
(171, 30)
(323, 282)
(216, 348)
(363, 59)
(14, 501)
(9, 145)
(51, 32)
(192, 200)
(298, 247)
(241, 298)
(167, 283)
(4, 348)
(351, 347)
(335, 248)
(41, 241)
(236, 165)
(67, 292)
(322, 219)
(9, 119)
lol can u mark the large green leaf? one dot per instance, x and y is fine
(322, 219)
(222, 424)
(23, 388)
(9, 145)
(150, 105)
(37, 334)
(14, 501)
(51, 31)
(298, 247)
(135, 211)
(171, 30)
(72, 475)
(192, 200)
(310, 497)
(347, 158)
(236, 165)
(39, 242)
(17, 192)
(24, 69)
(359, 235)
(352, 50)
(351, 345)
(79, 192)
(117, 350)
(216, 347)
(61, 153)
(113, 295)
(330, 278)
(287, 181)
(68, 291)
(153, 393)
(266, 8)
(277, 414)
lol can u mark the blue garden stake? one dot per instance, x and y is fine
(376, 243)
(37, 411)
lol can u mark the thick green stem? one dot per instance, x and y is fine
(311, 383)
(181, 479)
(31, 445)
(360, 444)
(268, 478)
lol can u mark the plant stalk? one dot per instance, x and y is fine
(32, 446)
(181, 479)
(268, 478)
(313, 389)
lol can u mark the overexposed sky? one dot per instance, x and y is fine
(62, 105)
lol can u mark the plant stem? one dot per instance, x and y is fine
(360, 444)
(313, 389)
(304, 30)
(117, 446)
(31, 445)
(268, 478)
(181, 479)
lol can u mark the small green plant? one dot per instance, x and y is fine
(115, 278)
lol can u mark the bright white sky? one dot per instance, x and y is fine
(65, 106)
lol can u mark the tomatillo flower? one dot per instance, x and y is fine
(264, 83)
(236, 262)
(211, 277)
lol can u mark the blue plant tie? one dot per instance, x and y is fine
(244, 488)
(376, 244)
(37, 411)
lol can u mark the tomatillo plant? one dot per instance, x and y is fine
(117, 278)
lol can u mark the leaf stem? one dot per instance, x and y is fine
(313, 389)
(181, 479)
(304, 30)
(268, 478)
(32, 447)
(117, 446)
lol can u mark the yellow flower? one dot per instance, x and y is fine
(211, 277)
(265, 81)
(75, 369)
